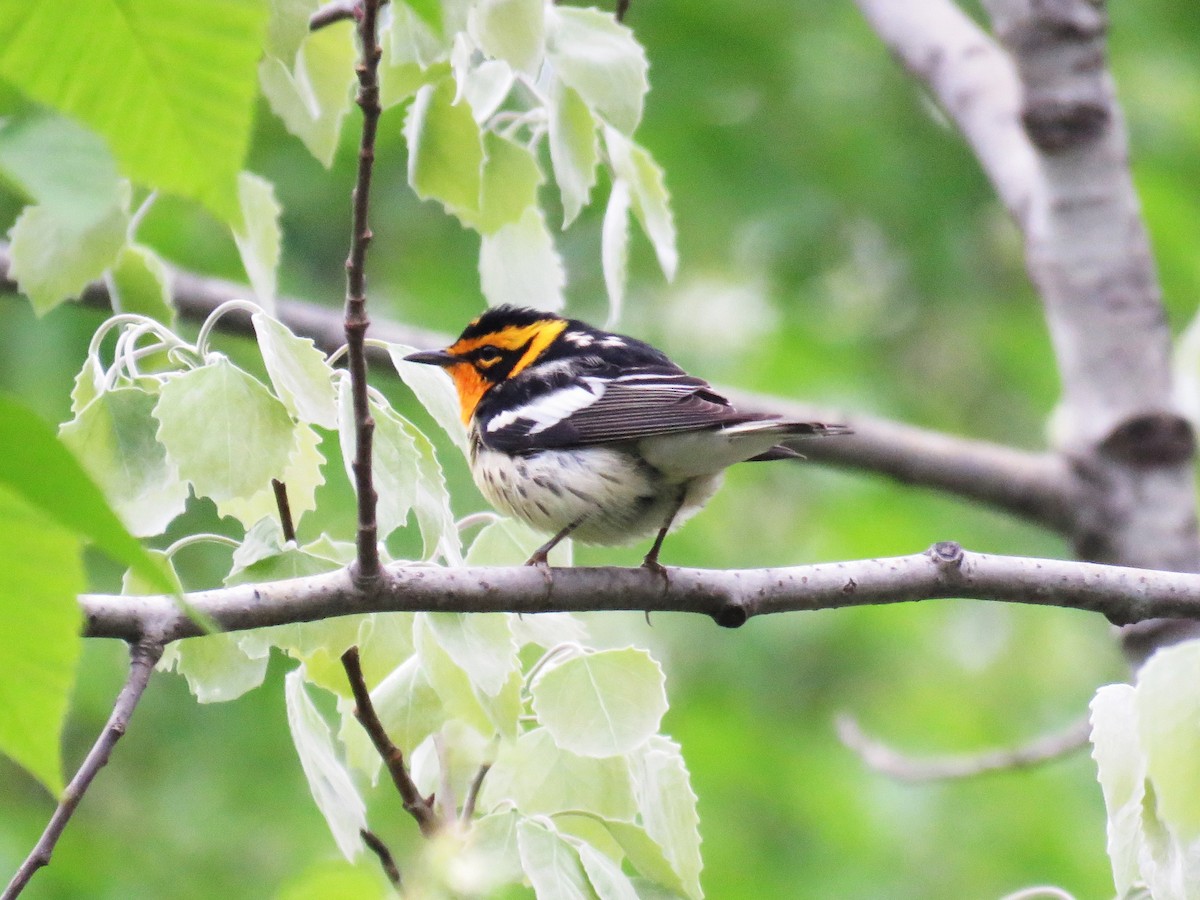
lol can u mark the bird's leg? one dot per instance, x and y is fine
(651, 561)
(541, 554)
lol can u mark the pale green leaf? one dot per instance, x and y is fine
(481, 644)
(600, 58)
(646, 855)
(41, 573)
(216, 667)
(330, 783)
(445, 151)
(298, 371)
(667, 805)
(1168, 727)
(222, 428)
(606, 877)
(1121, 768)
(574, 149)
(257, 235)
(141, 284)
(179, 116)
(133, 584)
(508, 542)
(59, 164)
(511, 30)
(435, 391)
(429, 11)
(463, 750)
(407, 705)
(336, 880)
(602, 704)
(287, 26)
(504, 709)
(518, 264)
(439, 531)
(648, 192)
(551, 864)
(614, 247)
(54, 255)
(484, 83)
(88, 384)
(312, 93)
(549, 629)
(510, 181)
(448, 679)
(302, 476)
(491, 849)
(413, 54)
(114, 438)
(537, 776)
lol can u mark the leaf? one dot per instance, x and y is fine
(445, 151)
(602, 704)
(483, 83)
(480, 644)
(491, 849)
(38, 468)
(511, 30)
(407, 705)
(646, 855)
(538, 777)
(141, 284)
(606, 877)
(216, 667)
(88, 384)
(507, 542)
(223, 429)
(429, 11)
(1168, 727)
(330, 783)
(518, 264)
(439, 531)
(114, 438)
(551, 864)
(448, 679)
(179, 116)
(58, 163)
(257, 236)
(667, 805)
(298, 371)
(312, 93)
(651, 202)
(54, 256)
(1121, 768)
(574, 149)
(510, 181)
(434, 390)
(302, 477)
(41, 574)
(599, 58)
(614, 247)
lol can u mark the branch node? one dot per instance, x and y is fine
(1154, 439)
(732, 614)
(946, 555)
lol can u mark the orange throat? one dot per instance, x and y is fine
(471, 387)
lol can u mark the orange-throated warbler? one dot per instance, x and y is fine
(582, 432)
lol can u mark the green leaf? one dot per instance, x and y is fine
(614, 247)
(492, 849)
(485, 83)
(287, 26)
(448, 679)
(518, 264)
(481, 644)
(298, 371)
(37, 467)
(88, 384)
(302, 477)
(413, 55)
(141, 284)
(646, 855)
(41, 574)
(511, 30)
(667, 805)
(429, 11)
(537, 776)
(216, 667)
(257, 236)
(312, 93)
(510, 181)
(551, 864)
(445, 151)
(330, 783)
(434, 390)
(179, 116)
(574, 149)
(408, 706)
(223, 429)
(606, 877)
(1168, 726)
(435, 518)
(599, 58)
(114, 438)
(507, 542)
(602, 704)
(1121, 768)
(59, 164)
(648, 191)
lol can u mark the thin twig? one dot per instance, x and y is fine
(891, 762)
(622, 9)
(468, 810)
(142, 658)
(285, 509)
(357, 321)
(380, 849)
(336, 11)
(393, 757)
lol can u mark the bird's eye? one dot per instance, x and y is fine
(487, 354)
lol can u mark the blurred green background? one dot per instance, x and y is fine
(838, 244)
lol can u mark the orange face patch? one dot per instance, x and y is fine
(471, 378)
(471, 387)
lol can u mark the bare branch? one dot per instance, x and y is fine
(393, 757)
(730, 597)
(285, 509)
(386, 860)
(142, 658)
(891, 762)
(468, 810)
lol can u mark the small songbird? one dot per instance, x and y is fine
(582, 432)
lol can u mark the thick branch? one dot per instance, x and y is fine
(730, 597)
(142, 658)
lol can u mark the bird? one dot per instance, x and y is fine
(582, 432)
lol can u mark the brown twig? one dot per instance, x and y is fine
(285, 510)
(356, 297)
(622, 9)
(337, 11)
(415, 805)
(142, 658)
(380, 849)
(468, 810)
(891, 762)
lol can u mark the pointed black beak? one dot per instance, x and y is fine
(432, 358)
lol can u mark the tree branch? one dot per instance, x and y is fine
(891, 762)
(142, 658)
(730, 597)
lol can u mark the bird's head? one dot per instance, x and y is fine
(494, 347)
